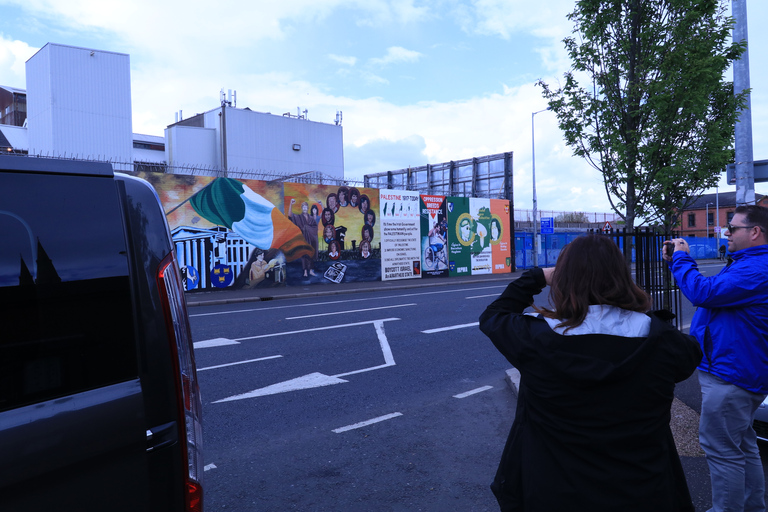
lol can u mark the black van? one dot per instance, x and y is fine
(99, 401)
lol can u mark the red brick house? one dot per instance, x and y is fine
(701, 218)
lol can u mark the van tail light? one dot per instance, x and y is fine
(187, 387)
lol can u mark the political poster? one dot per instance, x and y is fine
(480, 247)
(460, 236)
(434, 236)
(501, 244)
(400, 234)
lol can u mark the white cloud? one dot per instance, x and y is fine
(395, 55)
(349, 61)
(13, 56)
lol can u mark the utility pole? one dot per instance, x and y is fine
(745, 170)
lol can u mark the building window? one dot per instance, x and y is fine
(710, 219)
(730, 217)
(691, 220)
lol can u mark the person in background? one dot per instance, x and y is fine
(308, 225)
(731, 324)
(591, 430)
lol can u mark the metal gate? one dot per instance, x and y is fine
(651, 271)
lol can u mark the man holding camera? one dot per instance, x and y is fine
(731, 324)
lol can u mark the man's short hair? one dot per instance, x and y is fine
(756, 216)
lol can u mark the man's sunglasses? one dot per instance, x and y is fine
(734, 228)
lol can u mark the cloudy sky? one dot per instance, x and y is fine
(418, 81)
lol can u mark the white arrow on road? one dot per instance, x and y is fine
(316, 380)
(313, 380)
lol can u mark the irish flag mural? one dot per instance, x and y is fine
(228, 202)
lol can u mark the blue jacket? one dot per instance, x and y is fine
(731, 322)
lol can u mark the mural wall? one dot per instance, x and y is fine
(255, 234)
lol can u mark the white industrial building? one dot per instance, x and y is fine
(78, 105)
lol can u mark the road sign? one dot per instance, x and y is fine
(607, 227)
(761, 172)
(547, 225)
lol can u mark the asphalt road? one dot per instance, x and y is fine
(390, 400)
(353, 402)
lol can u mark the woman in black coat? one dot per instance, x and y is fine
(591, 430)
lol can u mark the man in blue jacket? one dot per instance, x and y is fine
(731, 324)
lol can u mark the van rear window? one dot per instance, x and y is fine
(66, 319)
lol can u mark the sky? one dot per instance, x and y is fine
(417, 81)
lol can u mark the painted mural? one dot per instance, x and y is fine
(251, 234)
(341, 224)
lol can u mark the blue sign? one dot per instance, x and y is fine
(221, 276)
(190, 277)
(547, 225)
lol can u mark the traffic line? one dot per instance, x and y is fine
(238, 362)
(451, 328)
(350, 311)
(367, 422)
(337, 326)
(216, 342)
(316, 380)
(473, 392)
(209, 467)
(304, 305)
(483, 296)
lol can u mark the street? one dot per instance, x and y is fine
(390, 400)
(358, 402)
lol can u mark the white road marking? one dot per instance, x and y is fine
(216, 342)
(472, 392)
(302, 305)
(339, 326)
(349, 311)
(483, 296)
(236, 363)
(315, 380)
(368, 422)
(450, 328)
(389, 360)
(209, 466)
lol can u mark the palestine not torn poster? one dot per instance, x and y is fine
(400, 234)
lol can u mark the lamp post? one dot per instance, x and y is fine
(707, 220)
(533, 177)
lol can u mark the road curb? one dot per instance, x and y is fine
(513, 379)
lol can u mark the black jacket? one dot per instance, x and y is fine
(591, 430)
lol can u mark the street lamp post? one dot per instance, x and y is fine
(533, 177)
(707, 220)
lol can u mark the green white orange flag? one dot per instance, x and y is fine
(228, 202)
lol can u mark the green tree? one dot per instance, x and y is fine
(658, 117)
(573, 218)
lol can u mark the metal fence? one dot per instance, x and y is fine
(644, 248)
(484, 176)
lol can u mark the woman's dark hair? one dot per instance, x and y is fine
(591, 271)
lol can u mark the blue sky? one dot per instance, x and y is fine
(418, 81)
